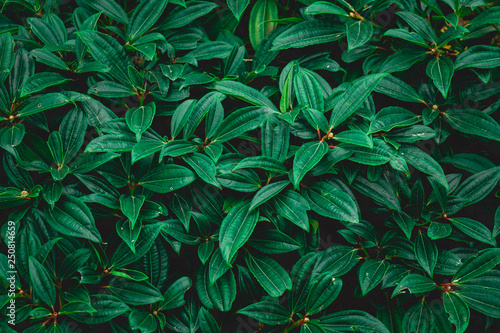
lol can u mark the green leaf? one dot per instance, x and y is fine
(203, 166)
(458, 310)
(135, 293)
(236, 228)
(482, 299)
(355, 137)
(221, 294)
(292, 206)
(337, 260)
(398, 89)
(167, 178)
(87, 162)
(402, 60)
(110, 8)
(107, 307)
(418, 318)
(306, 157)
(273, 241)
(128, 233)
(477, 265)
(42, 282)
(354, 97)
(423, 162)
(324, 7)
(178, 147)
(11, 137)
(358, 33)
(262, 162)
(207, 322)
(182, 16)
(474, 229)
(131, 205)
(243, 92)
(40, 81)
(263, 13)
(140, 319)
(145, 16)
(322, 293)
(42, 103)
(391, 117)
(440, 70)
(478, 56)
(438, 230)
(308, 91)
(371, 273)
(267, 192)
(308, 33)
(267, 312)
(426, 253)
(107, 50)
(218, 266)
(421, 26)
(405, 222)
(332, 202)
(473, 121)
(174, 295)
(239, 122)
(478, 186)
(237, 7)
(123, 255)
(73, 218)
(347, 321)
(139, 119)
(271, 276)
(414, 284)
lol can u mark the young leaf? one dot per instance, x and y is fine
(261, 17)
(371, 273)
(440, 70)
(306, 158)
(359, 33)
(131, 206)
(426, 253)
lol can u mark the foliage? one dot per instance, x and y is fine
(272, 166)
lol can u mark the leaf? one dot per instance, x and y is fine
(440, 70)
(107, 50)
(414, 284)
(423, 162)
(354, 97)
(203, 166)
(346, 321)
(131, 206)
(324, 7)
(273, 241)
(267, 312)
(236, 228)
(426, 253)
(42, 282)
(271, 276)
(73, 218)
(139, 119)
(358, 33)
(478, 186)
(221, 294)
(11, 137)
(262, 162)
(263, 13)
(145, 16)
(135, 293)
(474, 229)
(237, 7)
(418, 318)
(336, 260)
(182, 208)
(125, 230)
(40, 81)
(482, 299)
(322, 293)
(267, 192)
(174, 295)
(398, 89)
(371, 273)
(458, 310)
(473, 121)
(477, 265)
(402, 60)
(391, 117)
(329, 201)
(167, 178)
(140, 319)
(123, 255)
(43, 103)
(110, 8)
(107, 307)
(243, 92)
(293, 207)
(405, 222)
(421, 26)
(308, 33)
(478, 56)
(239, 122)
(207, 322)
(308, 91)
(218, 266)
(182, 16)
(306, 157)
(354, 137)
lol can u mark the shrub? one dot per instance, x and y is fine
(240, 166)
